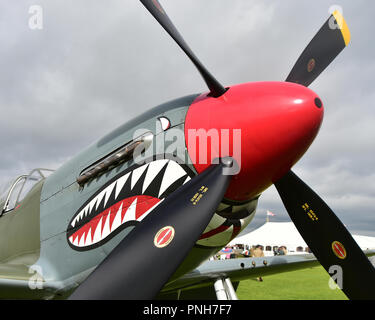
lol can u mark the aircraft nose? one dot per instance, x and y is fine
(270, 125)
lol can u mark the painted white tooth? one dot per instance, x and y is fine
(187, 179)
(76, 242)
(91, 205)
(82, 240)
(108, 192)
(120, 183)
(71, 239)
(117, 221)
(99, 198)
(80, 216)
(106, 229)
(130, 213)
(149, 210)
(152, 171)
(137, 174)
(98, 232)
(73, 222)
(173, 172)
(88, 238)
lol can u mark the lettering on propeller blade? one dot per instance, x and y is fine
(339, 250)
(311, 214)
(195, 199)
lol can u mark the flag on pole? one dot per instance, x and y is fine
(269, 213)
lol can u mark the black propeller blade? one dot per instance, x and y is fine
(327, 237)
(158, 12)
(144, 261)
(330, 40)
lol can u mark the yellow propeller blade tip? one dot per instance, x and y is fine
(343, 26)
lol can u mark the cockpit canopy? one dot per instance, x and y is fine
(15, 190)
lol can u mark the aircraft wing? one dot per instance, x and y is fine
(199, 282)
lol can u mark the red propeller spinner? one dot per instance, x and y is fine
(271, 125)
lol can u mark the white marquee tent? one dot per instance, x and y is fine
(275, 234)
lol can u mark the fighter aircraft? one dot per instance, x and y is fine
(131, 218)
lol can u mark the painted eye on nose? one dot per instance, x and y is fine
(165, 123)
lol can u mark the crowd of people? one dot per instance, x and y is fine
(281, 251)
(240, 251)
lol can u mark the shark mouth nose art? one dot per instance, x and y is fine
(125, 201)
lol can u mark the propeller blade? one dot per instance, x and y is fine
(327, 237)
(154, 7)
(330, 40)
(144, 261)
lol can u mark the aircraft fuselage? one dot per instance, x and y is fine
(265, 126)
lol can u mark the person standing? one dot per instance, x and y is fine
(258, 252)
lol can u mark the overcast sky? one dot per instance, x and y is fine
(96, 64)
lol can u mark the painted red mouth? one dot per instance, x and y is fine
(124, 201)
(124, 212)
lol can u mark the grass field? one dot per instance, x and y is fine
(307, 284)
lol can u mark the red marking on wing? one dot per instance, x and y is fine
(213, 232)
(236, 231)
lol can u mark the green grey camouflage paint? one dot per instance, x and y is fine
(58, 267)
(61, 197)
